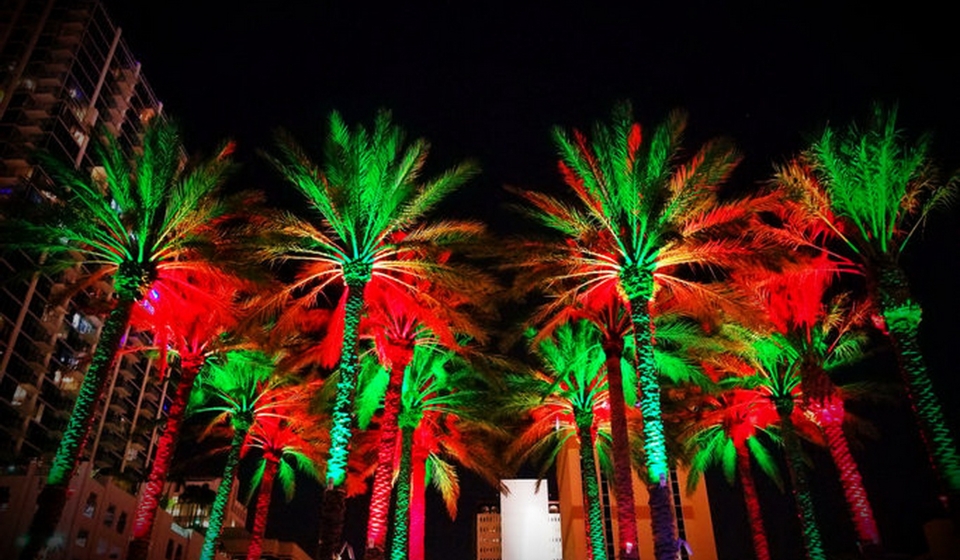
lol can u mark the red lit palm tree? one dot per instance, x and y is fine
(287, 444)
(132, 219)
(370, 201)
(190, 316)
(727, 434)
(440, 420)
(874, 188)
(644, 220)
(397, 321)
(241, 388)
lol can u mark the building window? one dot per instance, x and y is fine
(169, 553)
(179, 553)
(122, 522)
(108, 517)
(82, 536)
(4, 498)
(91, 506)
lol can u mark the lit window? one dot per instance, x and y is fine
(91, 506)
(82, 537)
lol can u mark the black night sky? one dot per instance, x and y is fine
(487, 80)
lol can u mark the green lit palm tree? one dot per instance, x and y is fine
(133, 218)
(875, 188)
(644, 221)
(241, 388)
(370, 202)
(568, 400)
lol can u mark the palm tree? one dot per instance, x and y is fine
(567, 400)
(371, 203)
(875, 188)
(727, 434)
(241, 388)
(131, 219)
(287, 444)
(643, 222)
(397, 322)
(191, 317)
(440, 418)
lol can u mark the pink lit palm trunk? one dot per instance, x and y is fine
(622, 473)
(386, 457)
(760, 546)
(418, 505)
(146, 513)
(830, 417)
(263, 507)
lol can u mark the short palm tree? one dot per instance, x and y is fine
(728, 434)
(441, 419)
(370, 203)
(289, 443)
(875, 188)
(190, 317)
(241, 388)
(644, 220)
(133, 218)
(567, 399)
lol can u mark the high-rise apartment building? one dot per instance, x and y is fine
(65, 74)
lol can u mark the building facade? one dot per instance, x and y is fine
(65, 74)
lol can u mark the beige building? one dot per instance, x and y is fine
(97, 522)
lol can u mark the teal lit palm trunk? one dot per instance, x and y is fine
(219, 509)
(255, 549)
(401, 514)
(383, 477)
(810, 532)
(146, 513)
(53, 497)
(902, 317)
(639, 288)
(590, 486)
(333, 510)
(757, 533)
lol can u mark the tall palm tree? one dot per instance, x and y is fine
(241, 388)
(370, 202)
(644, 220)
(727, 434)
(287, 444)
(567, 400)
(131, 219)
(875, 188)
(190, 317)
(441, 419)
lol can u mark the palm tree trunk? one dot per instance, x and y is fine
(333, 509)
(401, 514)
(798, 480)
(146, 513)
(255, 549)
(640, 288)
(53, 497)
(418, 504)
(386, 457)
(850, 479)
(902, 317)
(622, 472)
(217, 512)
(590, 486)
(760, 546)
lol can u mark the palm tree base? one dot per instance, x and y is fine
(139, 549)
(50, 504)
(332, 514)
